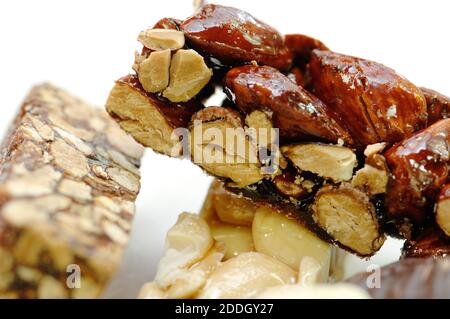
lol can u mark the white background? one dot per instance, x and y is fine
(84, 46)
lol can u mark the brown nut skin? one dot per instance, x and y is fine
(438, 105)
(298, 114)
(232, 35)
(431, 242)
(376, 104)
(419, 168)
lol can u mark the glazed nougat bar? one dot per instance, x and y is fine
(68, 181)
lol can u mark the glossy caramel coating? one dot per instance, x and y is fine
(302, 46)
(419, 168)
(432, 242)
(376, 103)
(298, 114)
(438, 105)
(232, 35)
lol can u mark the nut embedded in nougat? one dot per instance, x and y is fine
(287, 240)
(188, 76)
(328, 161)
(348, 216)
(148, 119)
(153, 72)
(245, 275)
(221, 147)
(162, 39)
(371, 179)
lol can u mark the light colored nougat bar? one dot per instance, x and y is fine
(69, 177)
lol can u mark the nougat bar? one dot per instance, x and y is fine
(69, 177)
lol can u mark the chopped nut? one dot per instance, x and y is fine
(99, 171)
(220, 146)
(186, 243)
(124, 178)
(143, 117)
(35, 183)
(245, 275)
(329, 161)
(115, 232)
(348, 216)
(187, 282)
(69, 159)
(374, 181)
(189, 74)
(374, 149)
(52, 203)
(61, 122)
(21, 213)
(237, 239)
(107, 203)
(288, 241)
(122, 161)
(76, 190)
(162, 39)
(153, 72)
(261, 123)
(44, 130)
(75, 141)
(30, 132)
(232, 208)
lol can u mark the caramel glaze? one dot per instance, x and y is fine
(376, 103)
(176, 114)
(302, 46)
(232, 35)
(438, 105)
(298, 114)
(431, 242)
(419, 169)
